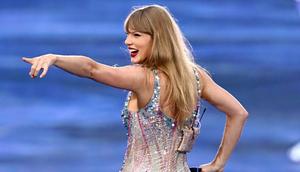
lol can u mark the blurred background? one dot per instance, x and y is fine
(64, 123)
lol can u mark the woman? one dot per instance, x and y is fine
(165, 86)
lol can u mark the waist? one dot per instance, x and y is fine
(155, 161)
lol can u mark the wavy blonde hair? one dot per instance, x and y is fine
(171, 54)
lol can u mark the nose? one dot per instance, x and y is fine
(128, 40)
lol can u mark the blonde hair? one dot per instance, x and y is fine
(171, 54)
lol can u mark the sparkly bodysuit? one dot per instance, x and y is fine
(153, 137)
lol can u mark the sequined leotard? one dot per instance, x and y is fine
(153, 137)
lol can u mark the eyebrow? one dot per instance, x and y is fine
(134, 32)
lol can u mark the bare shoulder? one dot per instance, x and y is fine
(218, 96)
(128, 77)
(205, 78)
(143, 77)
(135, 71)
(136, 74)
(210, 90)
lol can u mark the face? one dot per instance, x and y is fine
(139, 45)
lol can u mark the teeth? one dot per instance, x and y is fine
(133, 50)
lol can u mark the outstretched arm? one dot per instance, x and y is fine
(236, 116)
(127, 77)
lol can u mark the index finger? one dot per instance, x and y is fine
(27, 60)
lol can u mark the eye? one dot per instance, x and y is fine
(136, 34)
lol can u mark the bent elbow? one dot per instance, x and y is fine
(244, 114)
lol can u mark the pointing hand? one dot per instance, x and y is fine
(40, 62)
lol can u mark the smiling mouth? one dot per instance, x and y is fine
(133, 52)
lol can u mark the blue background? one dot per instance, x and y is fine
(64, 123)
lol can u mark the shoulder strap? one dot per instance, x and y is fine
(127, 99)
(156, 89)
(197, 81)
(196, 113)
